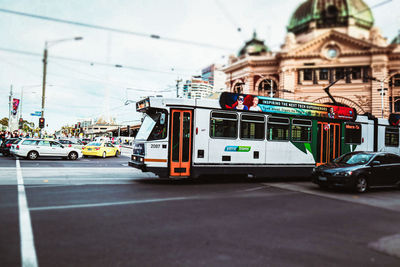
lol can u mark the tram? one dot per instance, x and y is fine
(251, 135)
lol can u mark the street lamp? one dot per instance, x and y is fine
(47, 44)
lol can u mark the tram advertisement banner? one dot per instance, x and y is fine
(284, 106)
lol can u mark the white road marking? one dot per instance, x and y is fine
(255, 189)
(95, 205)
(388, 244)
(28, 252)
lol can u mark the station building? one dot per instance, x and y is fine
(326, 41)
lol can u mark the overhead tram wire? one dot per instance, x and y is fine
(110, 29)
(92, 63)
(230, 18)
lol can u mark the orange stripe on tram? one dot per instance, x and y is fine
(155, 160)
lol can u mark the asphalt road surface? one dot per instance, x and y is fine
(100, 212)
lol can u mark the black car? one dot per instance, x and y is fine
(359, 171)
(6, 145)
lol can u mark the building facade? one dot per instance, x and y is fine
(197, 88)
(329, 43)
(215, 76)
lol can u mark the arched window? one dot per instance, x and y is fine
(238, 87)
(264, 87)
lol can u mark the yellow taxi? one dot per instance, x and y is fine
(101, 149)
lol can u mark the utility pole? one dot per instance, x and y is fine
(44, 78)
(10, 107)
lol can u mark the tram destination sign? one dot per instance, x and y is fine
(284, 106)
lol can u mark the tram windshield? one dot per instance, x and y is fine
(154, 127)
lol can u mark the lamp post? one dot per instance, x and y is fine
(47, 44)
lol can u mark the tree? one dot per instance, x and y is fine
(4, 121)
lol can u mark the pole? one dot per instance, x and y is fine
(44, 78)
(21, 102)
(272, 89)
(382, 96)
(10, 107)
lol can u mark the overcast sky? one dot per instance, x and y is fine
(78, 89)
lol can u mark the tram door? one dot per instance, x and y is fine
(328, 142)
(180, 142)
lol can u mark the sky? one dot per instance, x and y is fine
(81, 74)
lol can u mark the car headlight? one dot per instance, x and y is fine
(347, 173)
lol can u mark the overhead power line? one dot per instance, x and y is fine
(110, 29)
(92, 63)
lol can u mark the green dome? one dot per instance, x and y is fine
(253, 47)
(396, 40)
(330, 13)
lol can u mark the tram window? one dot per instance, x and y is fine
(352, 133)
(391, 136)
(160, 129)
(278, 129)
(223, 125)
(301, 130)
(252, 127)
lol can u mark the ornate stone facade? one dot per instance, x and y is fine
(333, 46)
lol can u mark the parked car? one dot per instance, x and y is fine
(6, 145)
(101, 149)
(34, 148)
(360, 171)
(76, 143)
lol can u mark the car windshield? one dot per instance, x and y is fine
(94, 144)
(354, 159)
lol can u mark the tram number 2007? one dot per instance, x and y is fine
(155, 146)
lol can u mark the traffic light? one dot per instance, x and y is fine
(20, 123)
(41, 123)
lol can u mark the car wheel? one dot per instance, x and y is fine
(104, 154)
(72, 155)
(361, 184)
(33, 155)
(117, 153)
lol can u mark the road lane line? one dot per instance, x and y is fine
(28, 252)
(95, 205)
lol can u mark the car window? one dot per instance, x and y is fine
(55, 144)
(79, 142)
(44, 143)
(94, 144)
(393, 158)
(29, 142)
(63, 141)
(383, 159)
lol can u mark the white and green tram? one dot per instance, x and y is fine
(251, 135)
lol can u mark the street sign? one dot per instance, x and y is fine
(36, 114)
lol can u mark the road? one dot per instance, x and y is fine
(100, 212)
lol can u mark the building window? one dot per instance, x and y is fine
(252, 127)
(278, 129)
(264, 88)
(301, 130)
(391, 136)
(395, 81)
(356, 73)
(339, 73)
(308, 74)
(352, 133)
(223, 125)
(323, 74)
